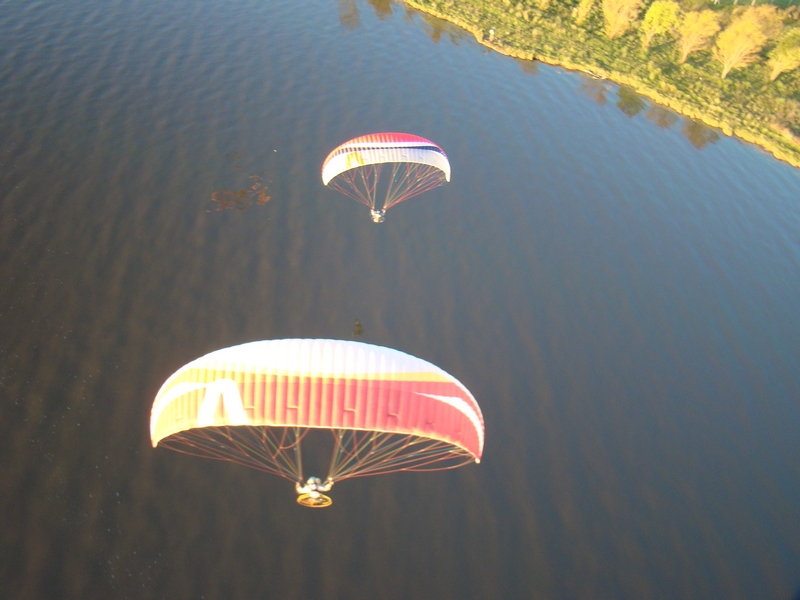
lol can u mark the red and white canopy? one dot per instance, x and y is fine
(326, 384)
(378, 148)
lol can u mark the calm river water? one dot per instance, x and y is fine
(618, 288)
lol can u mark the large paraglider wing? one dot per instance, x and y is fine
(378, 148)
(327, 384)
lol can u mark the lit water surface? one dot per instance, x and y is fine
(622, 303)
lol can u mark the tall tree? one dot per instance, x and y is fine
(695, 31)
(582, 11)
(748, 33)
(619, 14)
(786, 55)
(660, 18)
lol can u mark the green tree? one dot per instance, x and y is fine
(619, 14)
(582, 11)
(786, 55)
(742, 41)
(695, 31)
(660, 18)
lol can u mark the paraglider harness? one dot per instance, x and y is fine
(311, 494)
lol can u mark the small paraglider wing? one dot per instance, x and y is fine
(380, 148)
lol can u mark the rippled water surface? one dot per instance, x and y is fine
(617, 286)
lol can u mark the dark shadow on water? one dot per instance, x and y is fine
(664, 118)
(436, 28)
(383, 8)
(698, 133)
(531, 67)
(629, 102)
(348, 15)
(596, 89)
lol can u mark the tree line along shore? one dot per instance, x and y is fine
(733, 67)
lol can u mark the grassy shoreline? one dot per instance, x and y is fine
(745, 105)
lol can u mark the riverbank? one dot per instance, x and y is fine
(745, 104)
